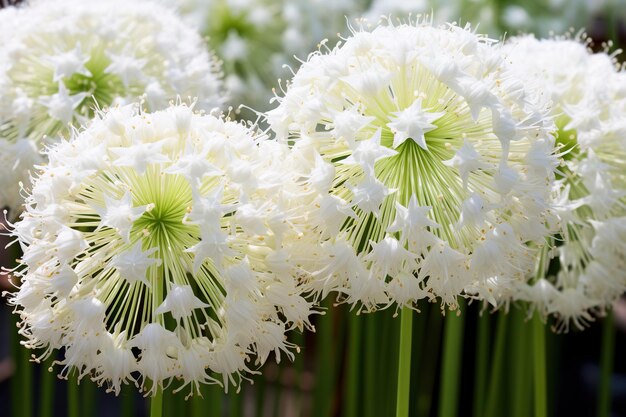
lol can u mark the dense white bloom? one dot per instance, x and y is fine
(61, 60)
(172, 266)
(441, 167)
(256, 38)
(589, 104)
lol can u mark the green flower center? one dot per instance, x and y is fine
(262, 41)
(168, 200)
(102, 88)
(223, 20)
(35, 77)
(567, 139)
(422, 172)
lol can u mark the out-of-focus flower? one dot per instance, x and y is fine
(588, 98)
(429, 168)
(539, 16)
(162, 245)
(256, 38)
(61, 60)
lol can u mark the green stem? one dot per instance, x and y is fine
(73, 401)
(128, 401)
(369, 368)
(88, 398)
(539, 362)
(452, 349)
(15, 388)
(216, 399)
(404, 363)
(495, 378)
(27, 382)
(430, 358)
(417, 357)
(519, 365)
(298, 365)
(391, 351)
(351, 405)
(324, 385)
(606, 365)
(482, 358)
(260, 391)
(236, 399)
(47, 390)
(156, 404)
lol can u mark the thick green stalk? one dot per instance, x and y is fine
(539, 366)
(156, 404)
(259, 393)
(351, 405)
(404, 363)
(215, 399)
(325, 383)
(495, 379)
(451, 365)
(46, 403)
(236, 399)
(519, 365)
(482, 360)
(298, 365)
(197, 404)
(128, 401)
(430, 358)
(370, 385)
(606, 366)
(73, 397)
(88, 398)
(15, 388)
(417, 359)
(27, 382)
(390, 350)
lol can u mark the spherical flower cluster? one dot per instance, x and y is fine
(429, 167)
(246, 34)
(160, 246)
(65, 58)
(588, 98)
(256, 38)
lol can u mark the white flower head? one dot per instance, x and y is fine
(63, 61)
(589, 106)
(145, 269)
(420, 122)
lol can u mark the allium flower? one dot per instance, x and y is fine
(428, 166)
(256, 38)
(160, 246)
(60, 60)
(589, 104)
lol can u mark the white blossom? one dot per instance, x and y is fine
(589, 105)
(440, 161)
(152, 272)
(62, 61)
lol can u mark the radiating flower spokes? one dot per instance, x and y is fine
(156, 264)
(439, 162)
(589, 197)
